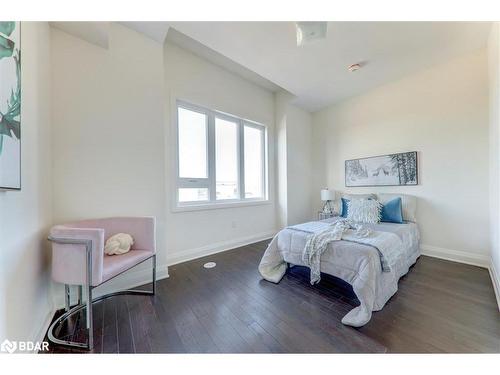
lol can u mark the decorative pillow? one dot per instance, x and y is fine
(364, 210)
(392, 212)
(344, 207)
(348, 197)
(118, 244)
(408, 204)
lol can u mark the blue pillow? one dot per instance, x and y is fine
(345, 207)
(392, 212)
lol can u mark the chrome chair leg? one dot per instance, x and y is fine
(90, 322)
(154, 274)
(90, 325)
(80, 294)
(67, 297)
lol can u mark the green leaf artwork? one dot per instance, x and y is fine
(10, 104)
(6, 45)
(9, 125)
(7, 27)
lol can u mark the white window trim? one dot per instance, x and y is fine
(210, 182)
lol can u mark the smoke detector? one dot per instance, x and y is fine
(354, 67)
(309, 31)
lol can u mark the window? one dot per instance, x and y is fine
(220, 158)
(254, 159)
(226, 159)
(192, 144)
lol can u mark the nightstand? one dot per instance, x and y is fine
(323, 215)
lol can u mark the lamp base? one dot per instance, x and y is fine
(327, 207)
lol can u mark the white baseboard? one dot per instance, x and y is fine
(473, 259)
(495, 278)
(40, 335)
(190, 254)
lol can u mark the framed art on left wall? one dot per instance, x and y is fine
(10, 105)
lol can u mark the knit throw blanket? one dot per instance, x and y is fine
(322, 234)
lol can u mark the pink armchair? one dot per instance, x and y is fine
(78, 259)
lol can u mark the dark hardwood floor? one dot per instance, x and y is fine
(441, 306)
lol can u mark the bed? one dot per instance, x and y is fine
(357, 263)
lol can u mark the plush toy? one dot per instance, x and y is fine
(118, 244)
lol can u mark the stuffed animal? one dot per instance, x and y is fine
(118, 244)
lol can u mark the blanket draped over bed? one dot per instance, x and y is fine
(371, 257)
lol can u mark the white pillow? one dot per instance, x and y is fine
(338, 203)
(364, 210)
(118, 244)
(408, 204)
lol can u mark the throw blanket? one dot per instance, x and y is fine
(312, 226)
(388, 245)
(318, 243)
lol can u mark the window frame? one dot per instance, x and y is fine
(210, 181)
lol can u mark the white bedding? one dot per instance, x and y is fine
(356, 263)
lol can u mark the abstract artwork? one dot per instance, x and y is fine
(10, 106)
(387, 170)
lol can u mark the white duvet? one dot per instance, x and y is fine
(359, 264)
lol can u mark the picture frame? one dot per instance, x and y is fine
(399, 169)
(10, 105)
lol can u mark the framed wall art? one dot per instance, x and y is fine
(387, 170)
(10, 106)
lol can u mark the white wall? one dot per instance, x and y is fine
(293, 161)
(494, 136)
(442, 113)
(299, 169)
(281, 108)
(26, 215)
(108, 129)
(196, 80)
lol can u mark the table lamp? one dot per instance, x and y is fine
(327, 196)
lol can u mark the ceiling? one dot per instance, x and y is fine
(316, 73)
(93, 32)
(201, 50)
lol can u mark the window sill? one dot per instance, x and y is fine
(222, 205)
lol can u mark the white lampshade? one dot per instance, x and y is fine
(327, 195)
